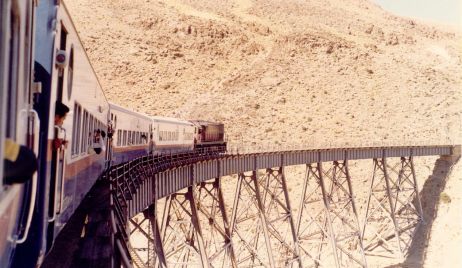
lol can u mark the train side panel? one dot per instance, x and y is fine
(65, 174)
(172, 135)
(131, 134)
(17, 120)
(77, 86)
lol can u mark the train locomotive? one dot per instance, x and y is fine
(43, 63)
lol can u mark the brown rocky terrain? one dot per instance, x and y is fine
(314, 73)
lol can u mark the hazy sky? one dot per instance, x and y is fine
(441, 11)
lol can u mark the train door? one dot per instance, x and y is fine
(57, 171)
(18, 122)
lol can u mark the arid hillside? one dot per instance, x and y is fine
(312, 72)
(278, 71)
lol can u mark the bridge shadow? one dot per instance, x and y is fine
(430, 198)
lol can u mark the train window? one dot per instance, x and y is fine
(62, 46)
(13, 62)
(70, 73)
(85, 138)
(119, 137)
(124, 138)
(91, 129)
(76, 130)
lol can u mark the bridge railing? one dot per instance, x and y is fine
(125, 180)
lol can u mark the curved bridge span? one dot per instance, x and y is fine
(179, 211)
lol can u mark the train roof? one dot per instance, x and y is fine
(163, 119)
(205, 123)
(159, 119)
(114, 106)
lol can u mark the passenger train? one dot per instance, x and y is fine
(42, 62)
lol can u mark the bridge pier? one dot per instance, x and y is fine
(328, 212)
(249, 212)
(217, 234)
(393, 209)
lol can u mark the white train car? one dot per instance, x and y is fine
(172, 135)
(131, 132)
(18, 122)
(65, 174)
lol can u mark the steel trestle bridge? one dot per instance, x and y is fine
(176, 203)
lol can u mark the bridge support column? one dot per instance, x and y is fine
(158, 259)
(393, 209)
(190, 195)
(275, 199)
(217, 235)
(181, 233)
(328, 212)
(248, 221)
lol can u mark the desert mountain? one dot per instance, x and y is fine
(311, 72)
(279, 71)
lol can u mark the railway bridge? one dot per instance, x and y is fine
(331, 207)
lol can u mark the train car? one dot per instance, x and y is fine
(172, 135)
(66, 173)
(18, 122)
(131, 132)
(209, 136)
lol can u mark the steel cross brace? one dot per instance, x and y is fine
(394, 206)
(217, 236)
(275, 199)
(248, 221)
(328, 214)
(180, 232)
